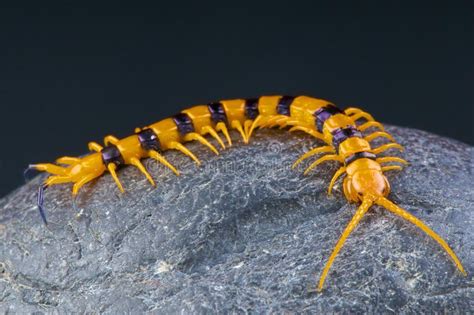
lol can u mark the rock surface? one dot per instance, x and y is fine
(243, 233)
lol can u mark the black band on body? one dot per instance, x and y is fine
(111, 154)
(359, 155)
(324, 113)
(149, 140)
(217, 112)
(184, 123)
(341, 134)
(283, 107)
(251, 108)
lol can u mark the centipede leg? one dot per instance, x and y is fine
(282, 123)
(254, 125)
(178, 146)
(268, 122)
(370, 124)
(68, 160)
(110, 140)
(309, 131)
(94, 147)
(262, 123)
(223, 128)
(238, 126)
(112, 169)
(77, 186)
(378, 134)
(387, 204)
(356, 113)
(329, 157)
(136, 162)
(391, 168)
(56, 179)
(338, 173)
(349, 111)
(387, 159)
(364, 207)
(195, 136)
(293, 122)
(312, 152)
(387, 146)
(50, 168)
(160, 158)
(247, 125)
(209, 130)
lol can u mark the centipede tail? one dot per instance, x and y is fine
(337, 132)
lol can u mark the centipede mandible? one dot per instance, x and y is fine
(347, 135)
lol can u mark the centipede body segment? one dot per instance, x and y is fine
(342, 131)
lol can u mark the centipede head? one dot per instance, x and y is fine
(365, 177)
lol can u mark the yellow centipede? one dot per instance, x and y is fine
(364, 181)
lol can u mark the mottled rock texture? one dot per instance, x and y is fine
(243, 233)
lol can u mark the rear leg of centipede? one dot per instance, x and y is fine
(238, 126)
(111, 167)
(136, 162)
(209, 130)
(329, 157)
(387, 146)
(178, 146)
(310, 131)
(221, 126)
(247, 126)
(160, 158)
(281, 122)
(371, 124)
(339, 172)
(253, 124)
(112, 170)
(278, 120)
(68, 160)
(324, 149)
(356, 114)
(195, 136)
(47, 167)
(77, 186)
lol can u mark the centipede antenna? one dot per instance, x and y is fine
(389, 205)
(363, 208)
(40, 202)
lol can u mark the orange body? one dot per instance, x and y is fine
(364, 181)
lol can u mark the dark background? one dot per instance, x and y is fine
(70, 74)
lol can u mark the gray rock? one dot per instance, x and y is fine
(243, 233)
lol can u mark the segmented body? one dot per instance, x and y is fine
(364, 181)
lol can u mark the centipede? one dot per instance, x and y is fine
(347, 135)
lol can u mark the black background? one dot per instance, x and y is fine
(70, 73)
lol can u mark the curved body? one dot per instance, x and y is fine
(363, 169)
